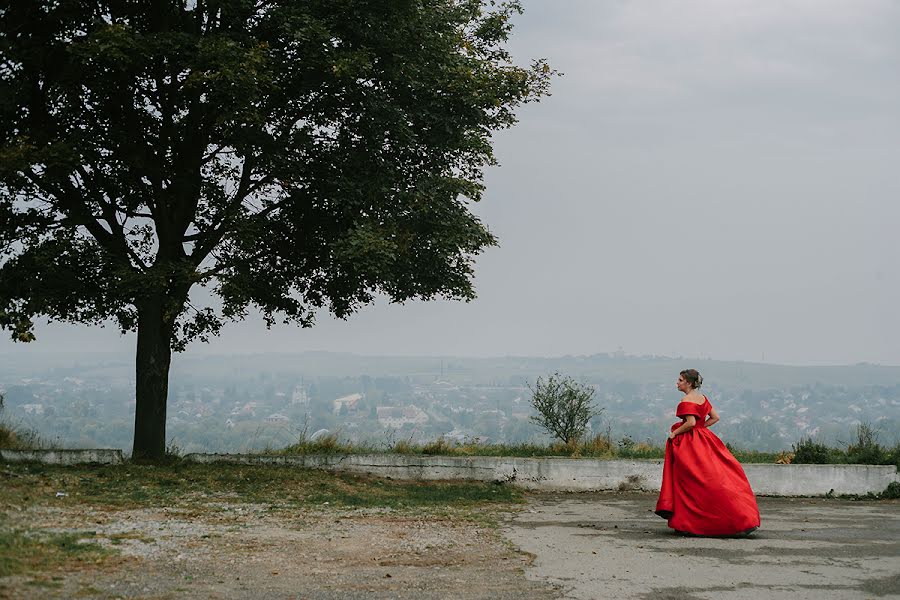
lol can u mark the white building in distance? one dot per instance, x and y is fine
(351, 401)
(398, 416)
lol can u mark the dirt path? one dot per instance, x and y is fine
(238, 551)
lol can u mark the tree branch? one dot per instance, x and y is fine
(113, 241)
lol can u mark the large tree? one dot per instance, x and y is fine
(288, 155)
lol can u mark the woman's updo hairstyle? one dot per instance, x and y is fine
(693, 377)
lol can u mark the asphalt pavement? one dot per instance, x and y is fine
(595, 546)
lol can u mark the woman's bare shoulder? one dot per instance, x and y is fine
(694, 399)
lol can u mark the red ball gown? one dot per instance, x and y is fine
(704, 489)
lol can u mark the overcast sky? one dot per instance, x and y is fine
(711, 178)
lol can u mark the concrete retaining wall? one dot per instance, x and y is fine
(819, 480)
(582, 474)
(64, 457)
(560, 474)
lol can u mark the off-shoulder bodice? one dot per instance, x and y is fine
(692, 408)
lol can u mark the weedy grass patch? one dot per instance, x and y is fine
(378, 493)
(202, 490)
(20, 438)
(24, 551)
(188, 485)
(599, 446)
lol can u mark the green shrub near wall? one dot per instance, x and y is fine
(864, 450)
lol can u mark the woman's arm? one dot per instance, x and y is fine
(712, 419)
(689, 422)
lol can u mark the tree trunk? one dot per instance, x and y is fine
(154, 356)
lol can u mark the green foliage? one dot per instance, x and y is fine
(195, 486)
(865, 449)
(413, 494)
(893, 457)
(808, 451)
(438, 447)
(287, 155)
(290, 155)
(754, 456)
(564, 407)
(326, 444)
(892, 491)
(597, 447)
(640, 451)
(805, 452)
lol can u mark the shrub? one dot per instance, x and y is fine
(564, 407)
(807, 451)
(8, 437)
(438, 447)
(327, 443)
(600, 444)
(626, 442)
(18, 438)
(892, 490)
(405, 447)
(866, 449)
(893, 456)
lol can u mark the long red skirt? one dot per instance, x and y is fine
(704, 488)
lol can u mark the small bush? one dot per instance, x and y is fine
(626, 442)
(405, 447)
(326, 444)
(892, 491)
(19, 438)
(866, 450)
(438, 447)
(599, 445)
(564, 407)
(893, 456)
(810, 452)
(875, 455)
(8, 437)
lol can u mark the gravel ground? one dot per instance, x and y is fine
(236, 551)
(578, 546)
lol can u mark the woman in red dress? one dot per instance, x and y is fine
(704, 489)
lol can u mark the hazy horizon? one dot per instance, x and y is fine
(708, 180)
(198, 352)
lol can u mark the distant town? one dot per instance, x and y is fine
(233, 404)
